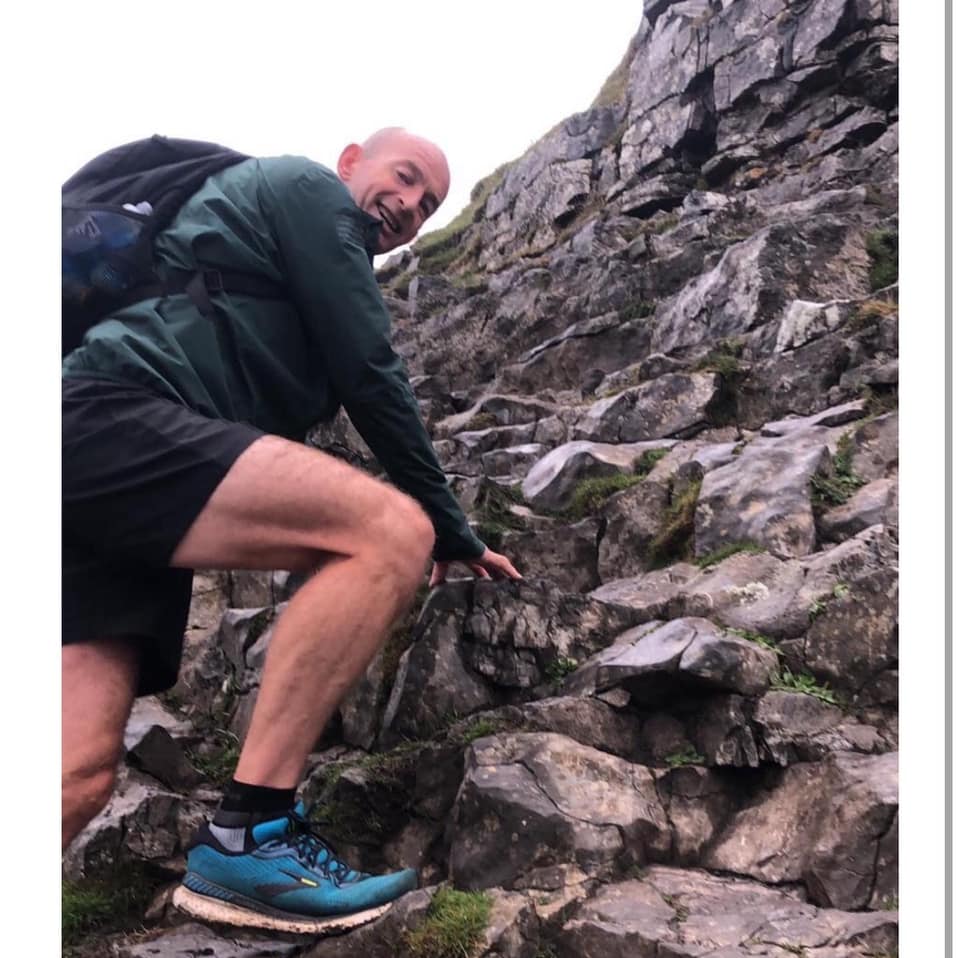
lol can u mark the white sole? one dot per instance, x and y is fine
(214, 910)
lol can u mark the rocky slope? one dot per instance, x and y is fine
(658, 355)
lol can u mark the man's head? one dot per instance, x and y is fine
(399, 178)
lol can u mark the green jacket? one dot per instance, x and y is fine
(281, 365)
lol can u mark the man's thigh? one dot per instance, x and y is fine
(284, 505)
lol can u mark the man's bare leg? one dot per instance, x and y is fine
(99, 682)
(285, 506)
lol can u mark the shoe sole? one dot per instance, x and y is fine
(214, 910)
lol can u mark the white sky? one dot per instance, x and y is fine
(483, 81)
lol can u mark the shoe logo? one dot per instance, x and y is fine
(272, 889)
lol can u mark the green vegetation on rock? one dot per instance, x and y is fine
(559, 669)
(218, 758)
(590, 494)
(787, 681)
(754, 637)
(686, 756)
(107, 904)
(644, 463)
(883, 249)
(453, 927)
(835, 489)
(724, 552)
(437, 250)
(674, 540)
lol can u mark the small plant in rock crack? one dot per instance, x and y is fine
(807, 684)
(681, 910)
(559, 669)
(686, 756)
(756, 638)
(835, 489)
(217, 760)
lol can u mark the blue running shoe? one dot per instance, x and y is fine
(281, 875)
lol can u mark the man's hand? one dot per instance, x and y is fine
(490, 565)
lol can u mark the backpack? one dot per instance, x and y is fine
(112, 210)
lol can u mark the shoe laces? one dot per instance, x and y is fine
(313, 850)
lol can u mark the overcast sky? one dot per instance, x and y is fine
(483, 80)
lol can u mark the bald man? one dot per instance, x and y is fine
(182, 449)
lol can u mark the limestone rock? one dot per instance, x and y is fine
(538, 810)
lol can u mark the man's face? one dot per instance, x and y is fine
(400, 179)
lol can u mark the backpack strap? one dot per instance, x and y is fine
(201, 284)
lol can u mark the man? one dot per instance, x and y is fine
(177, 455)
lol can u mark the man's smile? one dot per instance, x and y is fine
(392, 224)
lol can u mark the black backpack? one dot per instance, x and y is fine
(112, 210)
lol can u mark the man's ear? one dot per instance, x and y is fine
(348, 161)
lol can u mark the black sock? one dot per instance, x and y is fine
(257, 801)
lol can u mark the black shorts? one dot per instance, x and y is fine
(137, 470)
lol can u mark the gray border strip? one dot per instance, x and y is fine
(948, 430)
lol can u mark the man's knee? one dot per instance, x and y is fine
(403, 531)
(86, 788)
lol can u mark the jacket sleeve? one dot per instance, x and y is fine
(320, 235)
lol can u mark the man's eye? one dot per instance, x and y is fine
(405, 178)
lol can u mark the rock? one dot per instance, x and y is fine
(792, 727)
(756, 592)
(820, 825)
(633, 519)
(160, 755)
(870, 505)
(876, 452)
(686, 912)
(191, 939)
(671, 406)
(142, 821)
(564, 555)
(855, 637)
(552, 480)
(763, 497)
(657, 660)
(537, 810)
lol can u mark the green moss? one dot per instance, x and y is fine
(686, 756)
(453, 927)
(614, 88)
(482, 420)
(724, 360)
(837, 488)
(637, 310)
(479, 728)
(493, 516)
(590, 494)
(883, 248)
(106, 905)
(674, 540)
(644, 463)
(401, 638)
(438, 249)
(724, 552)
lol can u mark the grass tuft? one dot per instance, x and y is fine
(724, 552)
(674, 541)
(589, 495)
(883, 249)
(453, 927)
(835, 489)
(686, 756)
(105, 905)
